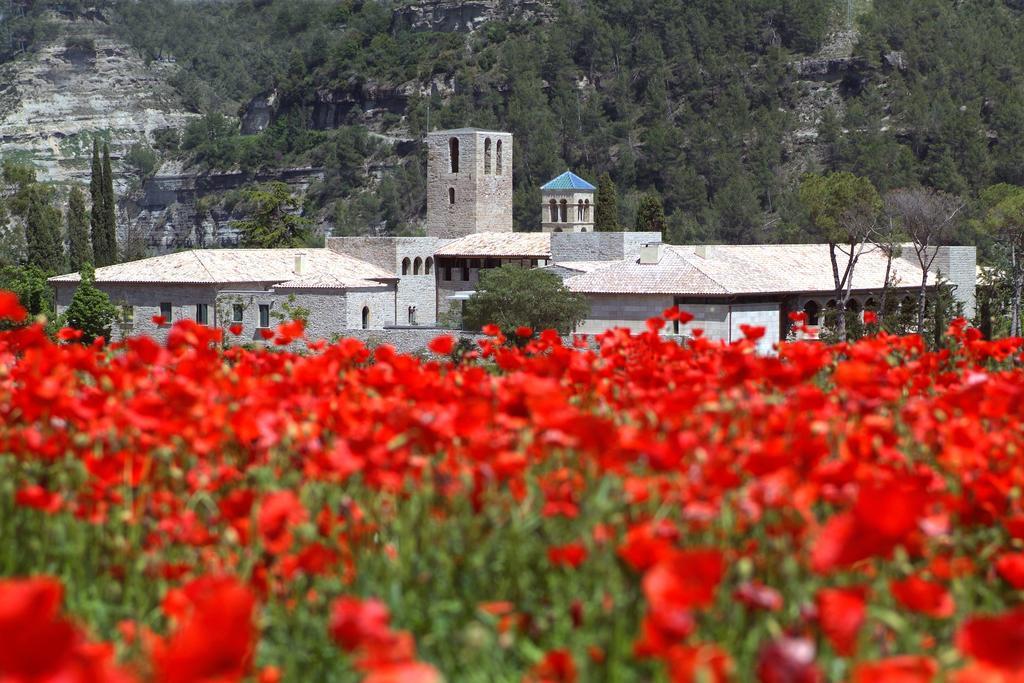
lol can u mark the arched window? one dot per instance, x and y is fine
(497, 166)
(487, 156)
(417, 265)
(586, 210)
(583, 229)
(553, 205)
(453, 154)
(579, 210)
(563, 214)
(558, 230)
(428, 265)
(405, 266)
(811, 309)
(451, 195)
(853, 306)
(412, 315)
(366, 317)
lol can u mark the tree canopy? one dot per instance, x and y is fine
(274, 222)
(512, 297)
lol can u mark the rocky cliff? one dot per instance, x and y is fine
(84, 84)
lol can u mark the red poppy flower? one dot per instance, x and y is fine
(995, 640)
(788, 660)
(556, 667)
(524, 331)
(215, 639)
(356, 623)
(10, 308)
(1011, 567)
(279, 512)
(755, 594)
(443, 345)
(903, 669)
(922, 596)
(236, 329)
(684, 580)
(159, 320)
(841, 613)
(69, 334)
(266, 333)
(870, 317)
(570, 555)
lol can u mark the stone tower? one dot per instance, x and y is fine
(469, 182)
(567, 204)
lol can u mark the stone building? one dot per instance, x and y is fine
(727, 286)
(567, 204)
(397, 289)
(257, 288)
(469, 182)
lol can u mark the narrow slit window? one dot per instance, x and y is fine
(453, 154)
(487, 156)
(497, 165)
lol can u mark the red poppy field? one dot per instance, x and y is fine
(634, 511)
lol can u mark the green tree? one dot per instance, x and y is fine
(43, 240)
(275, 222)
(109, 212)
(90, 310)
(512, 297)
(1004, 221)
(29, 283)
(79, 248)
(843, 209)
(100, 248)
(650, 217)
(606, 209)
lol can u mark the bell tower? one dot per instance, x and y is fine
(469, 182)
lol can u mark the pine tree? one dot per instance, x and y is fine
(45, 248)
(99, 243)
(109, 208)
(79, 249)
(650, 217)
(606, 211)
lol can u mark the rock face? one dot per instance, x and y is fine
(456, 16)
(84, 84)
(180, 210)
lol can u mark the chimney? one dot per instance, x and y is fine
(650, 254)
(704, 250)
(298, 264)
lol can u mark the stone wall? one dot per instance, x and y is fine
(959, 265)
(766, 315)
(145, 304)
(598, 246)
(622, 310)
(414, 289)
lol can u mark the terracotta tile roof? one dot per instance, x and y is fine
(227, 266)
(504, 244)
(742, 269)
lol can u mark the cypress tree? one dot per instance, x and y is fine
(99, 244)
(606, 211)
(650, 217)
(109, 208)
(45, 248)
(79, 249)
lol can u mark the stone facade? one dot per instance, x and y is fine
(959, 266)
(599, 246)
(720, 320)
(410, 258)
(469, 182)
(567, 211)
(331, 311)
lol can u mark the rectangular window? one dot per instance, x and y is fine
(264, 315)
(448, 273)
(127, 314)
(474, 263)
(166, 312)
(237, 311)
(203, 314)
